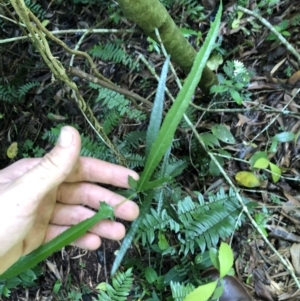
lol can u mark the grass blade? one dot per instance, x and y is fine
(31, 260)
(173, 117)
(157, 110)
(131, 233)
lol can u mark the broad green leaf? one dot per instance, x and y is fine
(213, 254)
(236, 96)
(218, 89)
(210, 140)
(261, 163)
(174, 115)
(256, 156)
(222, 133)
(247, 179)
(150, 274)
(284, 137)
(225, 259)
(202, 293)
(157, 109)
(29, 261)
(215, 61)
(132, 182)
(239, 85)
(276, 172)
(219, 290)
(223, 153)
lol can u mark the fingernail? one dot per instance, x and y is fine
(65, 138)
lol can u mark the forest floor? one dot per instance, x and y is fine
(274, 84)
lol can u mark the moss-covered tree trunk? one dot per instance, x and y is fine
(151, 14)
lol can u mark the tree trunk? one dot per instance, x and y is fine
(151, 14)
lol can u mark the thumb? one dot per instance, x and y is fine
(53, 168)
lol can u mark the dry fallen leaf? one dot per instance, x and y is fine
(295, 254)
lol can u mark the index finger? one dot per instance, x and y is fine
(95, 170)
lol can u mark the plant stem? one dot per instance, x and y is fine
(281, 38)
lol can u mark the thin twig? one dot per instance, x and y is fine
(276, 117)
(113, 87)
(58, 32)
(271, 27)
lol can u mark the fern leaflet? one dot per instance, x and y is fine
(120, 288)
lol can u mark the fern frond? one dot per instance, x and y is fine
(202, 224)
(180, 291)
(135, 139)
(89, 147)
(112, 52)
(8, 93)
(113, 100)
(112, 119)
(35, 8)
(135, 160)
(12, 93)
(120, 288)
(24, 89)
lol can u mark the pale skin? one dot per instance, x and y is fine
(42, 197)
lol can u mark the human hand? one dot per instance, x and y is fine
(42, 197)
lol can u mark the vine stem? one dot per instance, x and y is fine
(271, 27)
(235, 189)
(38, 35)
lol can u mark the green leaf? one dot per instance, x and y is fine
(239, 85)
(222, 133)
(215, 61)
(156, 183)
(257, 156)
(174, 115)
(171, 211)
(261, 163)
(236, 96)
(162, 241)
(218, 89)
(60, 241)
(213, 168)
(150, 275)
(276, 172)
(247, 179)
(202, 293)
(210, 140)
(225, 259)
(213, 254)
(132, 182)
(131, 233)
(284, 137)
(157, 109)
(273, 147)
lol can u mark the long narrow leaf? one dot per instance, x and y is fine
(173, 117)
(157, 110)
(60, 241)
(131, 233)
